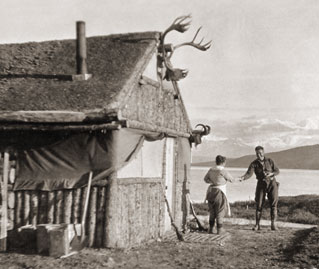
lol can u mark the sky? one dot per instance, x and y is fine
(263, 65)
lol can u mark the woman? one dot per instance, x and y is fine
(218, 204)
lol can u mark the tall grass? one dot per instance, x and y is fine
(298, 209)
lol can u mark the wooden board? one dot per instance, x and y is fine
(4, 206)
(198, 237)
(169, 180)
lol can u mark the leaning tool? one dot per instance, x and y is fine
(199, 223)
(178, 233)
(79, 242)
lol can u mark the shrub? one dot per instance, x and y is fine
(299, 209)
(302, 216)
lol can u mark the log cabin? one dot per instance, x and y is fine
(97, 104)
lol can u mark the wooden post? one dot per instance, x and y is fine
(18, 209)
(51, 202)
(26, 207)
(100, 212)
(91, 220)
(34, 208)
(4, 207)
(111, 233)
(67, 199)
(82, 200)
(58, 212)
(43, 207)
(104, 235)
(81, 48)
(76, 206)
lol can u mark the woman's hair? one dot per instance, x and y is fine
(220, 159)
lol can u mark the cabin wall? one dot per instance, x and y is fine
(140, 210)
(63, 206)
(136, 207)
(126, 212)
(150, 104)
(182, 177)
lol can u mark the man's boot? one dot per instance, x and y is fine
(273, 215)
(220, 229)
(258, 217)
(211, 226)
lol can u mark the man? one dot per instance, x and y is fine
(265, 171)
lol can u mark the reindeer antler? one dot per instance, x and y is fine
(206, 128)
(198, 45)
(178, 25)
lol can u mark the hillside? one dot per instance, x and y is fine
(306, 157)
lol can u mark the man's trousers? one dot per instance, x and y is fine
(269, 187)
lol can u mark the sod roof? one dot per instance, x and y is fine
(115, 62)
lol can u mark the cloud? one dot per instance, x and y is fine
(310, 123)
(236, 138)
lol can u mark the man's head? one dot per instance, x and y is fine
(260, 152)
(220, 160)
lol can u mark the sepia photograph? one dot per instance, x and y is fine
(159, 134)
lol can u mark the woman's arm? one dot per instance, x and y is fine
(227, 176)
(207, 177)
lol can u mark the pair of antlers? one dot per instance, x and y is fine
(205, 131)
(180, 24)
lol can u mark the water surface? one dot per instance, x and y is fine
(292, 182)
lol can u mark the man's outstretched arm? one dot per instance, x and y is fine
(249, 172)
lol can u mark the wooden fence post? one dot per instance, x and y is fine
(4, 207)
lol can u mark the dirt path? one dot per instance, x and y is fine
(243, 249)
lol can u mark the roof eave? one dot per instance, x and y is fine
(54, 116)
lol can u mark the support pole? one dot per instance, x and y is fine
(4, 207)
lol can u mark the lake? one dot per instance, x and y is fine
(292, 182)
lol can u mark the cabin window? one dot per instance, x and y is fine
(147, 163)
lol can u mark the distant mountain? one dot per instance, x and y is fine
(306, 157)
(231, 148)
(236, 138)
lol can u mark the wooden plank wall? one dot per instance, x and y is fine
(149, 103)
(63, 206)
(135, 212)
(141, 210)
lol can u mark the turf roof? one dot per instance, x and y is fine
(112, 60)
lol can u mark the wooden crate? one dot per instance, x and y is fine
(55, 239)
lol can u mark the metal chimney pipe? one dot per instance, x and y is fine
(81, 66)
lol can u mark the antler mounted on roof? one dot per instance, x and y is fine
(180, 24)
(198, 45)
(197, 134)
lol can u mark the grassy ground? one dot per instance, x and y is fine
(298, 209)
(288, 248)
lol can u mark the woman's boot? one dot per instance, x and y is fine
(211, 226)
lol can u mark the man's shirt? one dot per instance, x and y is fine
(260, 168)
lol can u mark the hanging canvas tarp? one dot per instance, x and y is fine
(66, 163)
